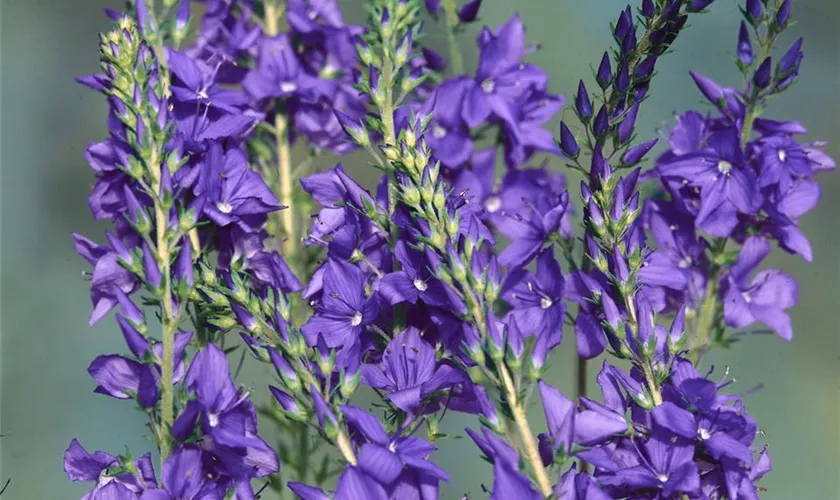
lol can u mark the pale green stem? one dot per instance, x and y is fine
(273, 10)
(168, 320)
(456, 62)
(346, 448)
(526, 437)
(705, 318)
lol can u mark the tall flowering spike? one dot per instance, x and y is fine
(442, 288)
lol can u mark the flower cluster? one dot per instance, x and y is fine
(448, 285)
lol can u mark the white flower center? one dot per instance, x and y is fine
(312, 14)
(488, 85)
(224, 207)
(545, 302)
(724, 166)
(747, 297)
(663, 478)
(213, 419)
(438, 132)
(782, 154)
(703, 433)
(393, 447)
(202, 94)
(356, 320)
(104, 478)
(493, 204)
(684, 263)
(420, 284)
(288, 87)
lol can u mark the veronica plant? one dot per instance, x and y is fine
(446, 287)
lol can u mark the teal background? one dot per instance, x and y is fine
(47, 119)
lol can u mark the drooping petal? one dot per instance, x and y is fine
(379, 463)
(366, 423)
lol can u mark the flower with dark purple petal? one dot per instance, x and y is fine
(763, 298)
(344, 309)
(409, 372)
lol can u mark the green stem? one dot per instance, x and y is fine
(650, 379)
(343, 443)
(387, 109)
(273, 13)
(456, 62)
(709, 307)
(526, 437)
(705, 319)
(168, 320)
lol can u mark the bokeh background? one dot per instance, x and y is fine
(47, 120)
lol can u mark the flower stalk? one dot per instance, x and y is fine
(450, 12)
(528, 443)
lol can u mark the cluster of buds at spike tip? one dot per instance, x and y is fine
(767, 21)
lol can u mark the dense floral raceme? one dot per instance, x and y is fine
(447, 285)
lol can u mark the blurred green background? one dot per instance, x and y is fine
(47, 120)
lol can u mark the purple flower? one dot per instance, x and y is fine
(532, 111)
(228, 420)
(529, 231)
(194, 85)
(728, 186)
(579, 486)
(409, 371)
(124, 378)
(500, 78)
(306, 16)
(353, 484)
(105, 471)
(202, 110)
(277, 73)
(344, 310)
(665, 463)
(508, 483)
(783, 161)
(678, 250)
(232, 192)
(449, 136)
(384, 458)
(414, 282)
(765, 297)
(109, 278)
(537, 299)
(184, 478)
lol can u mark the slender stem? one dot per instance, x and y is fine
(581, 362)
(284, 166)
(456, 62)
(387, 110)
(705, 319)
(346, 448)
(709, 307)
(581, 366)
(526, 437)
(168, 320)
(749, 120)
(650, 379)
(273, 10)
